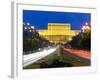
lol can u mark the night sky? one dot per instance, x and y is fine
(40, 19)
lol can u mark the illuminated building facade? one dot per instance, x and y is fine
(58, 32)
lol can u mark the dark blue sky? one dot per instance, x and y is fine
(40, 19)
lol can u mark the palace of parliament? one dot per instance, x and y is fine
(58, 32)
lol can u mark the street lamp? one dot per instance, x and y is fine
(29, 31)
(86, 27)
(86, 23)
(28, 24)
(32, 27)
(83, 28)
(25, 28)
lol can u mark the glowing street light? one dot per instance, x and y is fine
(25, 28)
(29, 28)
(86, 23)
(32, 27)
(83, 28)
(28, 24)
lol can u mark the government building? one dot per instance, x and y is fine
(58, 32)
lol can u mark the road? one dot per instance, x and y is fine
(81, 53)
(31, 58)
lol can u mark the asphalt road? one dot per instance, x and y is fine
(31, 58)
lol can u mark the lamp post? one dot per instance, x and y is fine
(86, 27)
(29, 30)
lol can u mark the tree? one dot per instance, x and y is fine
(82, 40)
(32, 39)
